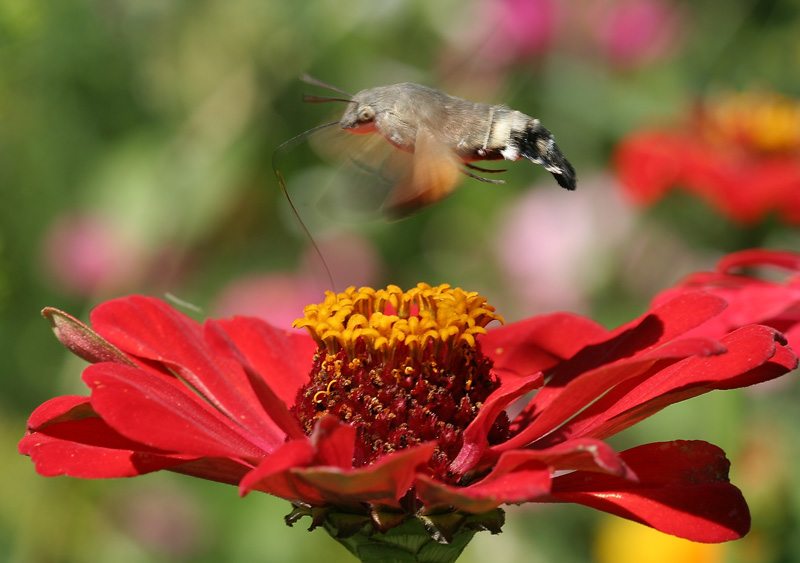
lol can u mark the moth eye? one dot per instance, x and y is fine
(365, 114)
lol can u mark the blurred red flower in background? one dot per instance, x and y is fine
(740, 153)
(404, 409)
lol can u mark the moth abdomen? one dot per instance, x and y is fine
(486, 133)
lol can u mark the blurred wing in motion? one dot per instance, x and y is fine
(371, 179)
(433, 174)
(367, 169)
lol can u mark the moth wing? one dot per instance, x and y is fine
(338, 146)
(371, 169)
(370, 177)
(346, 180)
(433, 174)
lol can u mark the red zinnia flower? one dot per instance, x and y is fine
(741, 154)
(402, 420)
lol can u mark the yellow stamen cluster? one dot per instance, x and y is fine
(765, 121)
(382, 319)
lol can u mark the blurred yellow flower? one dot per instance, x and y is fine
(623, 541)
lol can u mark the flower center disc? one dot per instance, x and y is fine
(763, 121)
(402, 367)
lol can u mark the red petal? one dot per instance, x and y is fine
(334, 442)
(385, 481)
(60, 409)
(682, 490)
(728, 183)
(751, 300)
(150, 329)
(759, 257)
(558, 405)
(661, 325)
(90, 449)
(782, 361)
(272, 474)
(272, 422)
(331, 444)
(475, 434)
(524, 476)
(581, 454)
(538, 343)
(283, 474)
(758, 303)
(515, 478)
(146, 327)
(148, 410)
(745, 363)
(283, 358)
(578, 382)
(221, 470)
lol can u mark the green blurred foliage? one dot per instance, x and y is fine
(162, 116)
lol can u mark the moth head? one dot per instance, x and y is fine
(359, 117)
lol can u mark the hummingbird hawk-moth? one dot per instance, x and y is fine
(438, 137)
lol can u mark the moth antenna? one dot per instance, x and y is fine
(283, 148)
(308, 79)
(311, 99)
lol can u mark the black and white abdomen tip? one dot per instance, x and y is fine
(537, 145)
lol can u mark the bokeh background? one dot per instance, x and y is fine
(136, 143)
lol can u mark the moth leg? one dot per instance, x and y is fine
(485, 170)
(481, 178)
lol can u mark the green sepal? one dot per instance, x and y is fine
(409, 542)
(81, 340)
(388, 536)
(385, 519)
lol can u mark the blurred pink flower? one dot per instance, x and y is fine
(553, 247)
(277, 296)
(520, 29)
(87, 253)
(273, 297)
(516, 32)
(635, 32)
(350, 258)
(165, 520)
(500, 34)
